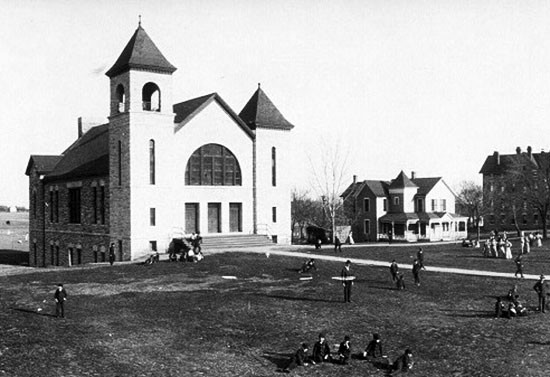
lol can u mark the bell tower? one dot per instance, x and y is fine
(141, 126)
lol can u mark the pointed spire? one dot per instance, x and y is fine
(140, 53)
(402, 181)
(261, 112)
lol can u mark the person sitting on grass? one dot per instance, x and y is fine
(321, 350)
(374, 348)
(298, 359)
(404, 363)
(307, 266)
(344, 351)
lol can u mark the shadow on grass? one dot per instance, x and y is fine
(469, 313)
(291, 298)
(280, 360)
(22, 310)
(540, 343)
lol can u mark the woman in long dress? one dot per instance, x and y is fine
(508, 248)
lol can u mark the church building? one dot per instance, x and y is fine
(160, 170)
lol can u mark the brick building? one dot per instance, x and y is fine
(157, 170)
(408, 209)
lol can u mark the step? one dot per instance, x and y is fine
(235, 241)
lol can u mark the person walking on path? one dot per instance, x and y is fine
(347, 281)
(416, 272)
(394, 270)
(519, 266)
(60, 296)
(112, 253)
(541, 287)
(420, 257)
(337, 244)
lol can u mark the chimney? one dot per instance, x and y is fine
(518, 150)
(413, 174)
(354, 179)
(496, 155)
(529, 151)
(87, 123)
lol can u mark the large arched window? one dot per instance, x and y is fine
(213, 165)
(150, 96)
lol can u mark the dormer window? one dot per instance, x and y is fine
(150, 96)
(121, 98)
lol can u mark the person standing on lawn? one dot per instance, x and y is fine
(541, 287)
(321, 350)
(347, 280)
(420, 257)
(519, 266)
(394, 269)
(112, 253)
(60, 296)
(299, 358)
(337, 244)
(416, 271)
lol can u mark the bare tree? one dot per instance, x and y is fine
(304, 211)
(470, 198)
(530, 176)
(328, 172)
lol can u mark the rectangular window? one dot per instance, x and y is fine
(74, 205)
(119, 155)
(235, 217)
(94, 203)
(420, 205)
(434, 205)
(33, 205)
(120, 249)
(366, 228)
(51, 207)
(151, 162)
(445, 227)
(366, 204)
(273, 166)
(153, 245)
(152, 216)
(443, 205)
(102, 204)
(56, 205)
(385, 204)
(396, 200)
(274, 214)
(52, 259)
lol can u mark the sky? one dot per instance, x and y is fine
(429, 86)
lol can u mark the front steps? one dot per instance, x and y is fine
(235, 241)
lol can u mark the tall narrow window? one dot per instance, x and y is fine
(273, 166)
(119, 153)
(151, 162)
(274, 214)
(33, 204)
(385, 204)
(152, 217)
(94, 203)
(366, 204)
(102, 204)
(74, 205)
(56, 205)
(51, 207)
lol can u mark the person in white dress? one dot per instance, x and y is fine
(508, 249)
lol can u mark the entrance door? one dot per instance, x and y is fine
(235, 217)
(191, 218)
(214, 225)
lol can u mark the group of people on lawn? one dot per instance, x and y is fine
(190, 249)
(499, 246)
(373, 353)
(515, 308)
(398, 277)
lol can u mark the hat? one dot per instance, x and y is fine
(408, 350)
(321, 335)
(376, 336)
(348, 262)
(346, 338)
(542, 277)
(60, 285)
(305, 346)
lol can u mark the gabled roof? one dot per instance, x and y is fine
(140, 53)
(260, 112)
(401, 181)
(425, 185)
(353, 189)
(86, 157)
(43, 164)
(185, 111)
(378, 188)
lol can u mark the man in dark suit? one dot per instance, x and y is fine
(374, 348)
(112, 253)
(416, 272)
(344, 351)
(404, 363)
(394, 269)
(347, 280)
(541, 287)
(60, 297)
(321, 350)
(299, 358)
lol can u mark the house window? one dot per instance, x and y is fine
(420, 205)
(445, 227)
(524, 219)
(274, 214)
(443, 205)
(213, 165)
(366, 204)
(152, 217)
(33, 204)
(74, 205)
(434, 205)
(385, 204)
(366, 227)
(461, 226)
(273, 166)
(56, 205)
(153, 245)
(396, 200)
(151, 162)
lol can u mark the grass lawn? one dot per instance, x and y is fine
(14, 227)
(173, 319)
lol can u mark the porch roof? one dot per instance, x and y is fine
(425, 217)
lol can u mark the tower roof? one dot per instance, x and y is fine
(402, 181)
(140, 53)
(260, 112)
